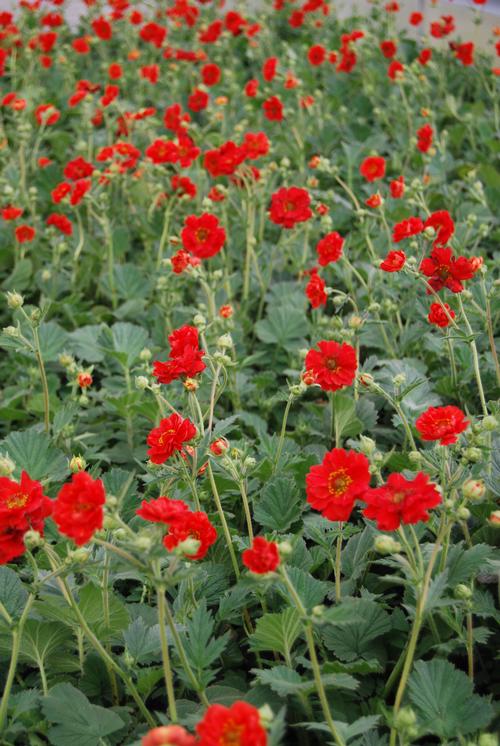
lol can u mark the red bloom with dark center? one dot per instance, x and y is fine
(191, 525)
(185, 359)
(446, 271)
(333, 486)
(406, 228)
(25, 233)
(61, 222)
(464, 52)
(333, 365)
(373, 168)
(154, 34)
(290, 206)
(224, 161)
(11, 212)
(102, 28)
(238, 725)
(316, 55)
(400, 501)
(168, 735)
(329, 248)
(397, 187)
(162, 151)
(394, 261)
(23, 507)
(315, 290)
(424, 57)
(161, 510)
(78, 510)
(262, 557)
(442, 423)
(438, 316)
(273, 109)
(169, 437)
(202, 235)
(425, 137)
(443, 224)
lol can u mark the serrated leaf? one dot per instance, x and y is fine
(345, 420)
(276, 632)
(281, 679)
(33, 452)
(76, 720)
(91, 605)
(201, 647)
(444, 700)
(128, 340)
(354, 640)
(53, 339)
(279, 505)
(13, 595)
(284, 326)
(84, 343)
(141, 641)
(463, 564)
(311, 591)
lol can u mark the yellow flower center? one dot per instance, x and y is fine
(339, 482)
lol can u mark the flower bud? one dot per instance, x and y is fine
(399, 379)
(11, 331)
(188, 547)
(7, 465)
(225, 340)
(191, 384)
(80, 555)
(385, 544)
(66, 360)
(406, 718)
(463, 514)
(266, 716)
(219, 446)
(494, 519)
(472, 454)
(285, 548)
(249, 462)
(318, 611)
(77, 464)
(429, 232)
(489, 423)
(366, 379)
(32, 539)
(474, 489)
(367, 445)
(487, 739)
(35, 315)
(14, 300)
(199, 320)
(463, 592)
(145, 354)
(141, 383)
(143, 543)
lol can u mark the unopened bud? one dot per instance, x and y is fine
(367, 445)
(385, 544)
(7, 466)
(77, 464)
(199, 320)
(489, 423)
(266, 716)
(188, 547)
(462, 591)
(32, 539)
(141, 383)
(472, 454)
(145, 354)
(463, 514)
(225, 340)
(191, 384)
(399, 379)
(285, 548)
(14, 300)
(474, 489)
(406, 718)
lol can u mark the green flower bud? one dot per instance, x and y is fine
(77, 464)
(406, 718)
(462, 592)
(474, 489)
(14, 300)
(385, 544)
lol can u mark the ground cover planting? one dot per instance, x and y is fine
(249, 452)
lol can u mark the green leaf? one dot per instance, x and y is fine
(310, 591)
(20, 276)
(142, 642)
(356, 553)
(354, 641)
(43, 640)
(202, 649)
(91, 605)
(276, 632)
(281, 679)
(279, 505)
(33, 452)
(344, 417)
(84, 343)
(128, 340)
(284, 326)
(53, 339)
(13, 595)
(444, 700)
(463, 564)
(76, 720)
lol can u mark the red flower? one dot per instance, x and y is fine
(315, 290)
(161, 510)
(251, 88)
(47, 114)
(224, 161)
(202, 235)
(333, 365)
(373, 168)
(11, 212)
(180, 261)
(153, 34)
(388, 49)
(61, 222)
(23, 507)
(169, 437)
(162, 151)
(406, 228)
(424, 138)
(238, 725)
(84, 380)
(269, 68)
(329, 248)
(333, 486)
(191, 525)
(198, 100)
(77, 169)
(273, 109)
(374, 201)
(219, 446)
(168, 735)
(102, 28)
(446, 271)
(255, 145)
(25, 233)
(416, 18)
(443, 224)
(423, 58)
(290, 206)
(78, 510)
(397, 187)
(394, 261)
(185, 359)
(316, 54)
(438, 316)
(442, 423)
(263, 556)
(210, 74)
(395, 70)
(115, 71)
(400, 501)
(464, 52)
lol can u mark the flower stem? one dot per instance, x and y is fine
(338, 564)
(167, 669)
(283, 432)
(17, 633)
(43, 378)
(475, 356)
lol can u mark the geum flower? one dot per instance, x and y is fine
(78, 508)
(442, 423)
(169, 437)
(185, 359)
(262, 557)
(290, 206)
(332, 365)
(23, 507)
(401, 500)
(446, 271)
(407, 228)
(333, 486)
(202, 235)
(238, 725)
